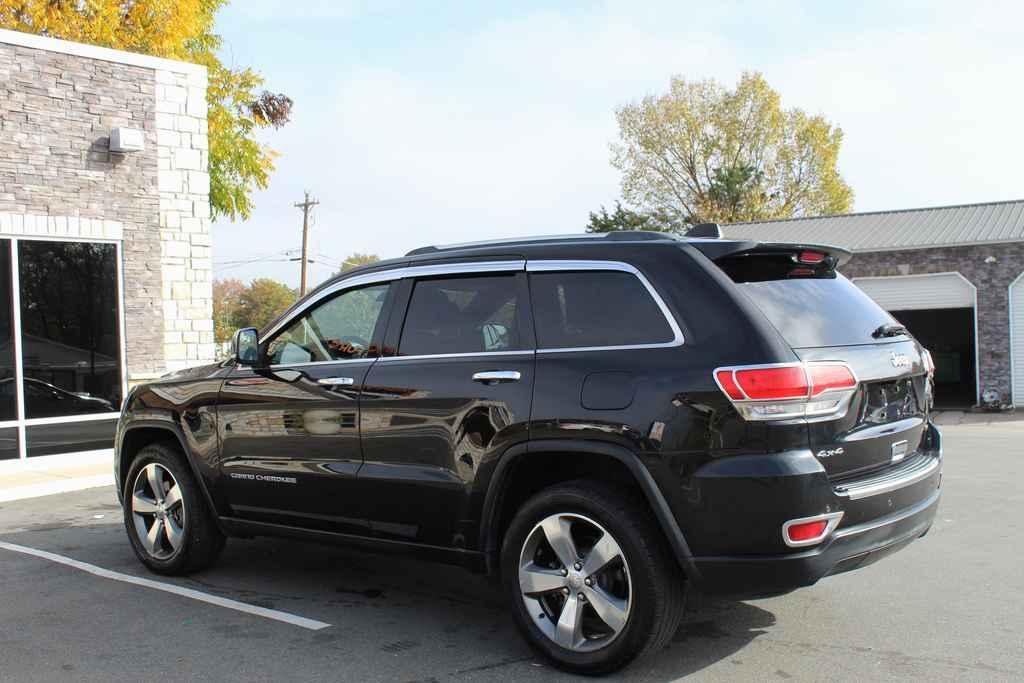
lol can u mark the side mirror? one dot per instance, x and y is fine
(245, 346)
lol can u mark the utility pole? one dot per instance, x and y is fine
(305, 206)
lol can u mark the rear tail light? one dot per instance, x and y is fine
(929, 363)
(789, 390)
(797, 533)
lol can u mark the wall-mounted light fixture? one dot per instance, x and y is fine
(125, 140)
(990, 259)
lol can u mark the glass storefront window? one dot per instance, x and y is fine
(69, 437)
(8, 396)
(60, 310)
(9, 443)
(69, 328)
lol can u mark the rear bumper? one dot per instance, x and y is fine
(848, 549)
(881, 515)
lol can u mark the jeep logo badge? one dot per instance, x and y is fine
(899, 360)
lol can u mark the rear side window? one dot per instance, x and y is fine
(809, 306)
(595, 309)
(462, 315)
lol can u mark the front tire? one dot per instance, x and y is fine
(592, 583)
(170, 526)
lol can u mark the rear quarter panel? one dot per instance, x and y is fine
(677, 421)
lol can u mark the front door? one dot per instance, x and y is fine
(290, 426)
(455, 395)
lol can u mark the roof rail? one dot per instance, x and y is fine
(614, 236)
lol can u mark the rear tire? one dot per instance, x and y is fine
(171, 528)
(586, 620)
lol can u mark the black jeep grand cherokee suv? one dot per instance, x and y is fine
(595, 421)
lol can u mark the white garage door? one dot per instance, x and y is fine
(1017, 338)
(919, 292)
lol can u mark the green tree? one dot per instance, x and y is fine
(178, 29)
(262, 301)
(627, 219)
(355, 260)
(705, 153)
(227, 299)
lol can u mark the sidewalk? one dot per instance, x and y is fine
(55, 474)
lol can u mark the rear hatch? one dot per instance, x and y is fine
(825, 317)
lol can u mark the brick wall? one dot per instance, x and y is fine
(992, 281)
(58, 102)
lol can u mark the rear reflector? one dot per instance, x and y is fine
(790, 390)
(810, 530)
(807, 531)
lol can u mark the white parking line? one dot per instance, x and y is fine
(303, 622)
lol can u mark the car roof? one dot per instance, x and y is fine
(600, 246)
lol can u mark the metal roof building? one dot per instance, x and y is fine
(943, 226)
(954, 275)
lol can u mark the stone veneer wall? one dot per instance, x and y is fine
(58, 102)
(992, 281)
(185, 243)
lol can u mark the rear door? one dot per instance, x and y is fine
(455, 394)
(825, 317)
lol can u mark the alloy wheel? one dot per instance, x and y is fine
(575, 582)
(158, 511)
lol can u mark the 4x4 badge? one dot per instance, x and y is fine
(899, 360)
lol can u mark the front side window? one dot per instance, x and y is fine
(462, 315)
(338, 329)
(595, 308)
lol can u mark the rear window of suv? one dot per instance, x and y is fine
(810, 307)
(585, 309)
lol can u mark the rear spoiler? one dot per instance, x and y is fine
(718, 249)
(709, 239)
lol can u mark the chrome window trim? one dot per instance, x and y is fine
(467, 354)
(392, 274)
(570, 265)
(319, 362)
(441, 269)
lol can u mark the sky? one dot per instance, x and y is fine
(422, 123)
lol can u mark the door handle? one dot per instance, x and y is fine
(336, 381)
(497, 376)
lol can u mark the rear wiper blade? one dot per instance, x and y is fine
(888, 331)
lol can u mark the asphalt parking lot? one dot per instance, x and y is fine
(949, 607)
